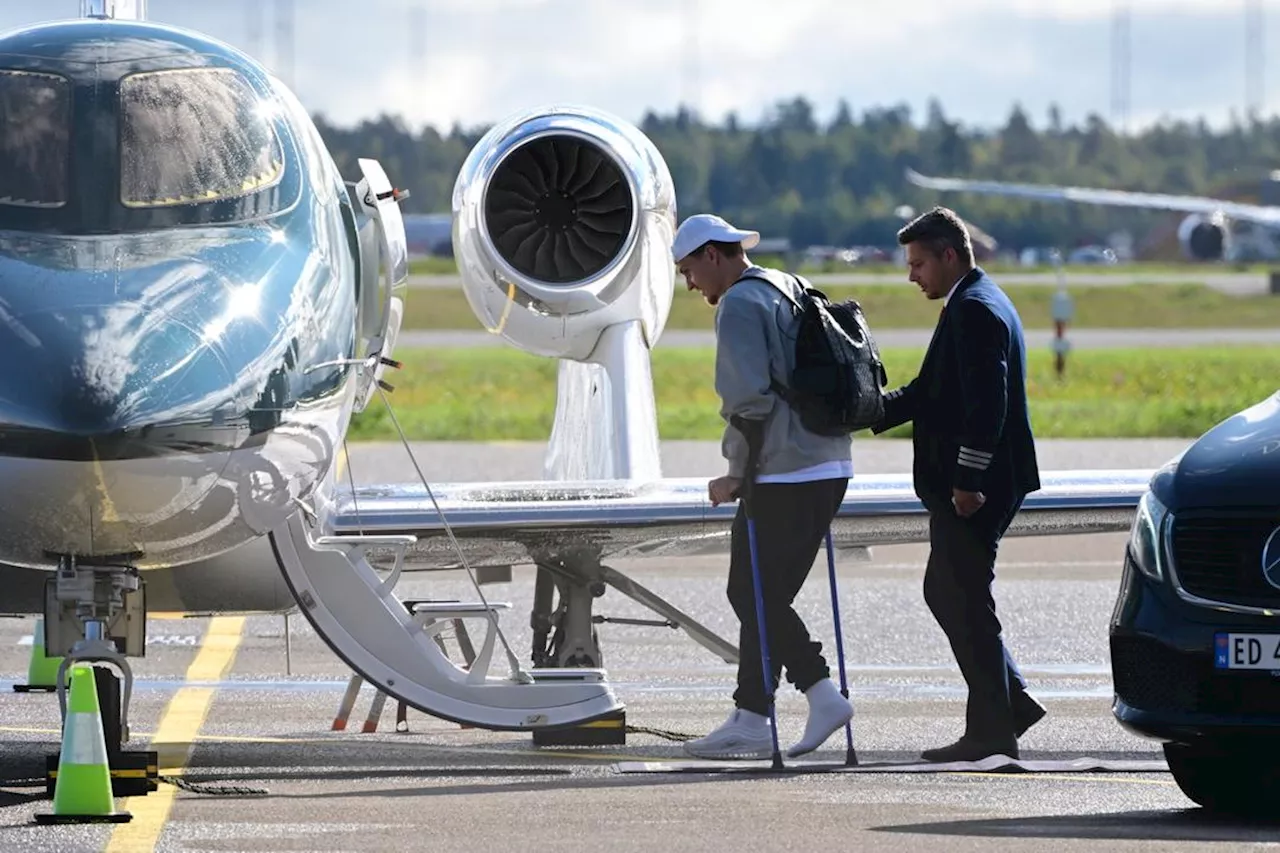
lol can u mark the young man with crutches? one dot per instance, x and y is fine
(789, 483)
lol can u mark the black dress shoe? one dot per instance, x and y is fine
(1028, 713)
(968, 749)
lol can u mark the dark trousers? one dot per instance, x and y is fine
(791, 521)
(957, 588)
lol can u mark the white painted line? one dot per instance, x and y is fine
(174, 640)
(157, 640)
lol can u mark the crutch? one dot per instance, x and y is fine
(753, 431)
(850, 756)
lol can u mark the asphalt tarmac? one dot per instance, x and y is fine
(227, 703)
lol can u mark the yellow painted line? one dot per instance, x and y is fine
(179, 726)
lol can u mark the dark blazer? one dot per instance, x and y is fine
(968, 405)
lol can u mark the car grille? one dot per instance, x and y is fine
(1218, 556)
(1150, 676)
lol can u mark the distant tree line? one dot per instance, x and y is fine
(842, 183)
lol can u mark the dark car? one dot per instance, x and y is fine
(1195, 635)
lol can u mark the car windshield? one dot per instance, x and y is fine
(193, 135)
(34, 139)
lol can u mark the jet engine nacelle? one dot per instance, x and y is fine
(562, 227)
(1205, 237)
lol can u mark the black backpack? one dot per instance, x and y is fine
(837, 384)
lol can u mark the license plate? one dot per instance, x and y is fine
(1246, 651)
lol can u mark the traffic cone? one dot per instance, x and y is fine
(42, 672)
(82, 792)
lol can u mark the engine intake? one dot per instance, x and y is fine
(562, 228)
(559, 209)
(1205, 238)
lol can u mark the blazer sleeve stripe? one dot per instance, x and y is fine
(976, 454)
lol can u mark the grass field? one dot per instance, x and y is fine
(500, 394)
(902, 306)
(447, 266)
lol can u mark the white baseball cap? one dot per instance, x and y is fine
(696, 230)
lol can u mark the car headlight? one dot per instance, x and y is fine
(1145, 539)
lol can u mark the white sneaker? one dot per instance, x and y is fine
(744, 735)
(828, 711)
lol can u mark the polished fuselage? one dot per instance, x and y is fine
(177, 368)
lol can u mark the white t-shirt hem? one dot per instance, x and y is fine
(831, 470)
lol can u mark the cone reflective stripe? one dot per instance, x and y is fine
(82, 793)
(42, 671)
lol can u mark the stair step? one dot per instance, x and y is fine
(384, 640)
(365, 539)
(457, 608)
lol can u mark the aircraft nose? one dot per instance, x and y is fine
(114, 419)
(109, 382)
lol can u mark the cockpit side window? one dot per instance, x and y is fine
(35, 134)
(193, 135)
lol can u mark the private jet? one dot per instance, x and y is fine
(1212, 230)
(195, 303)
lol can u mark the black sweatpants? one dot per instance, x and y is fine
(791, 522)
(957, 587)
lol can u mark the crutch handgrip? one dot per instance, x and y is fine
(752, 430)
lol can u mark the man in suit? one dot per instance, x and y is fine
(975, 461)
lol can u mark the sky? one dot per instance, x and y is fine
(472, 62)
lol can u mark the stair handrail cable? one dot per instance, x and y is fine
(517, 672)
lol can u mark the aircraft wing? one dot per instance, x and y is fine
(1255, 213)
(512, 523)
(572, 531)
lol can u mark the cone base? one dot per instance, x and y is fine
(114, 817)
(133, 774)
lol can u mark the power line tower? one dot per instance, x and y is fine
(1254, 59)
(418, 49)
(1121, 62)
(698, 194)
(284, 41)
(253, 29)
(691, 86)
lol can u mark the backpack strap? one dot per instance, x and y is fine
(774, 385)
(787, 294)
(782, 391)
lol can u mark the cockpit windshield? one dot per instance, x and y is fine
(193, 135)
(35, 139)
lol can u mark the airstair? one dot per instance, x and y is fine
(394, 647)
(389, 645)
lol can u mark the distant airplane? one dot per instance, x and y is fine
(1212, 230)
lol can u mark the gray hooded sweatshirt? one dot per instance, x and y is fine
(755, 341)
